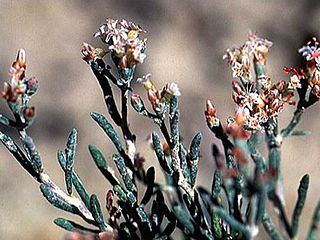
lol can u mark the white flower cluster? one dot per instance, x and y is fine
(239, 57)
(159, 98)
(311, 51)
(255, 109)
(123, 40)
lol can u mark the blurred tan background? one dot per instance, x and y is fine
(186, 41)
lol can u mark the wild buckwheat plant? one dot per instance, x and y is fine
(244, 180)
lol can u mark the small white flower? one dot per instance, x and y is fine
(237, 70)
(123, 40)
(294, 82)
(311, 51)
(173, 89)
(144, 78)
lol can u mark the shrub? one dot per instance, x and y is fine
(243, 182)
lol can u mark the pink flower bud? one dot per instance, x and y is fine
(21, 57)
(137, 102)
(153, 97)
(210, 114)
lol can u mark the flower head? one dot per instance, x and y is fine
(18, 83)
(124, 42)
(259, 47)
(307, 82)
(171, 89)
(159, 99)
(311, 52)
(239, 58)
(258, 100)
(146, 81)
(254, 108)
(18, 67)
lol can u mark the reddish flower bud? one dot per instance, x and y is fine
(281, 85)
(19, 66)
(109, 201)
(21, 57)
(153, 97)
(90, 53)
(211, 110)
(210, 114)
(166, 148)
(29, 112)
(237, 88)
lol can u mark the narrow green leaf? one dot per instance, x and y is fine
(102, 165)
(54, 199)
(71, 146)
(233, 223)
(111, 133)
(131, 198)
(74, 227)
(194, 157)
(183, 162)
(184, 219)
(195, 146)
(300, 133)
(120, 192)
(127, 179)
(70, 157)
(98, 157)
(96, 211)
(294, 121)
(150, 181)
(160, 154)
(103, 75)
(270, 228)
(302, 195)
(173, 106)
(108, 129)
(19, 155)
(84, 195)
(261, 205)
(216, 225)
(216, 184)
(146, 226)
(33, 154)
(61, 159)
(174, 125)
